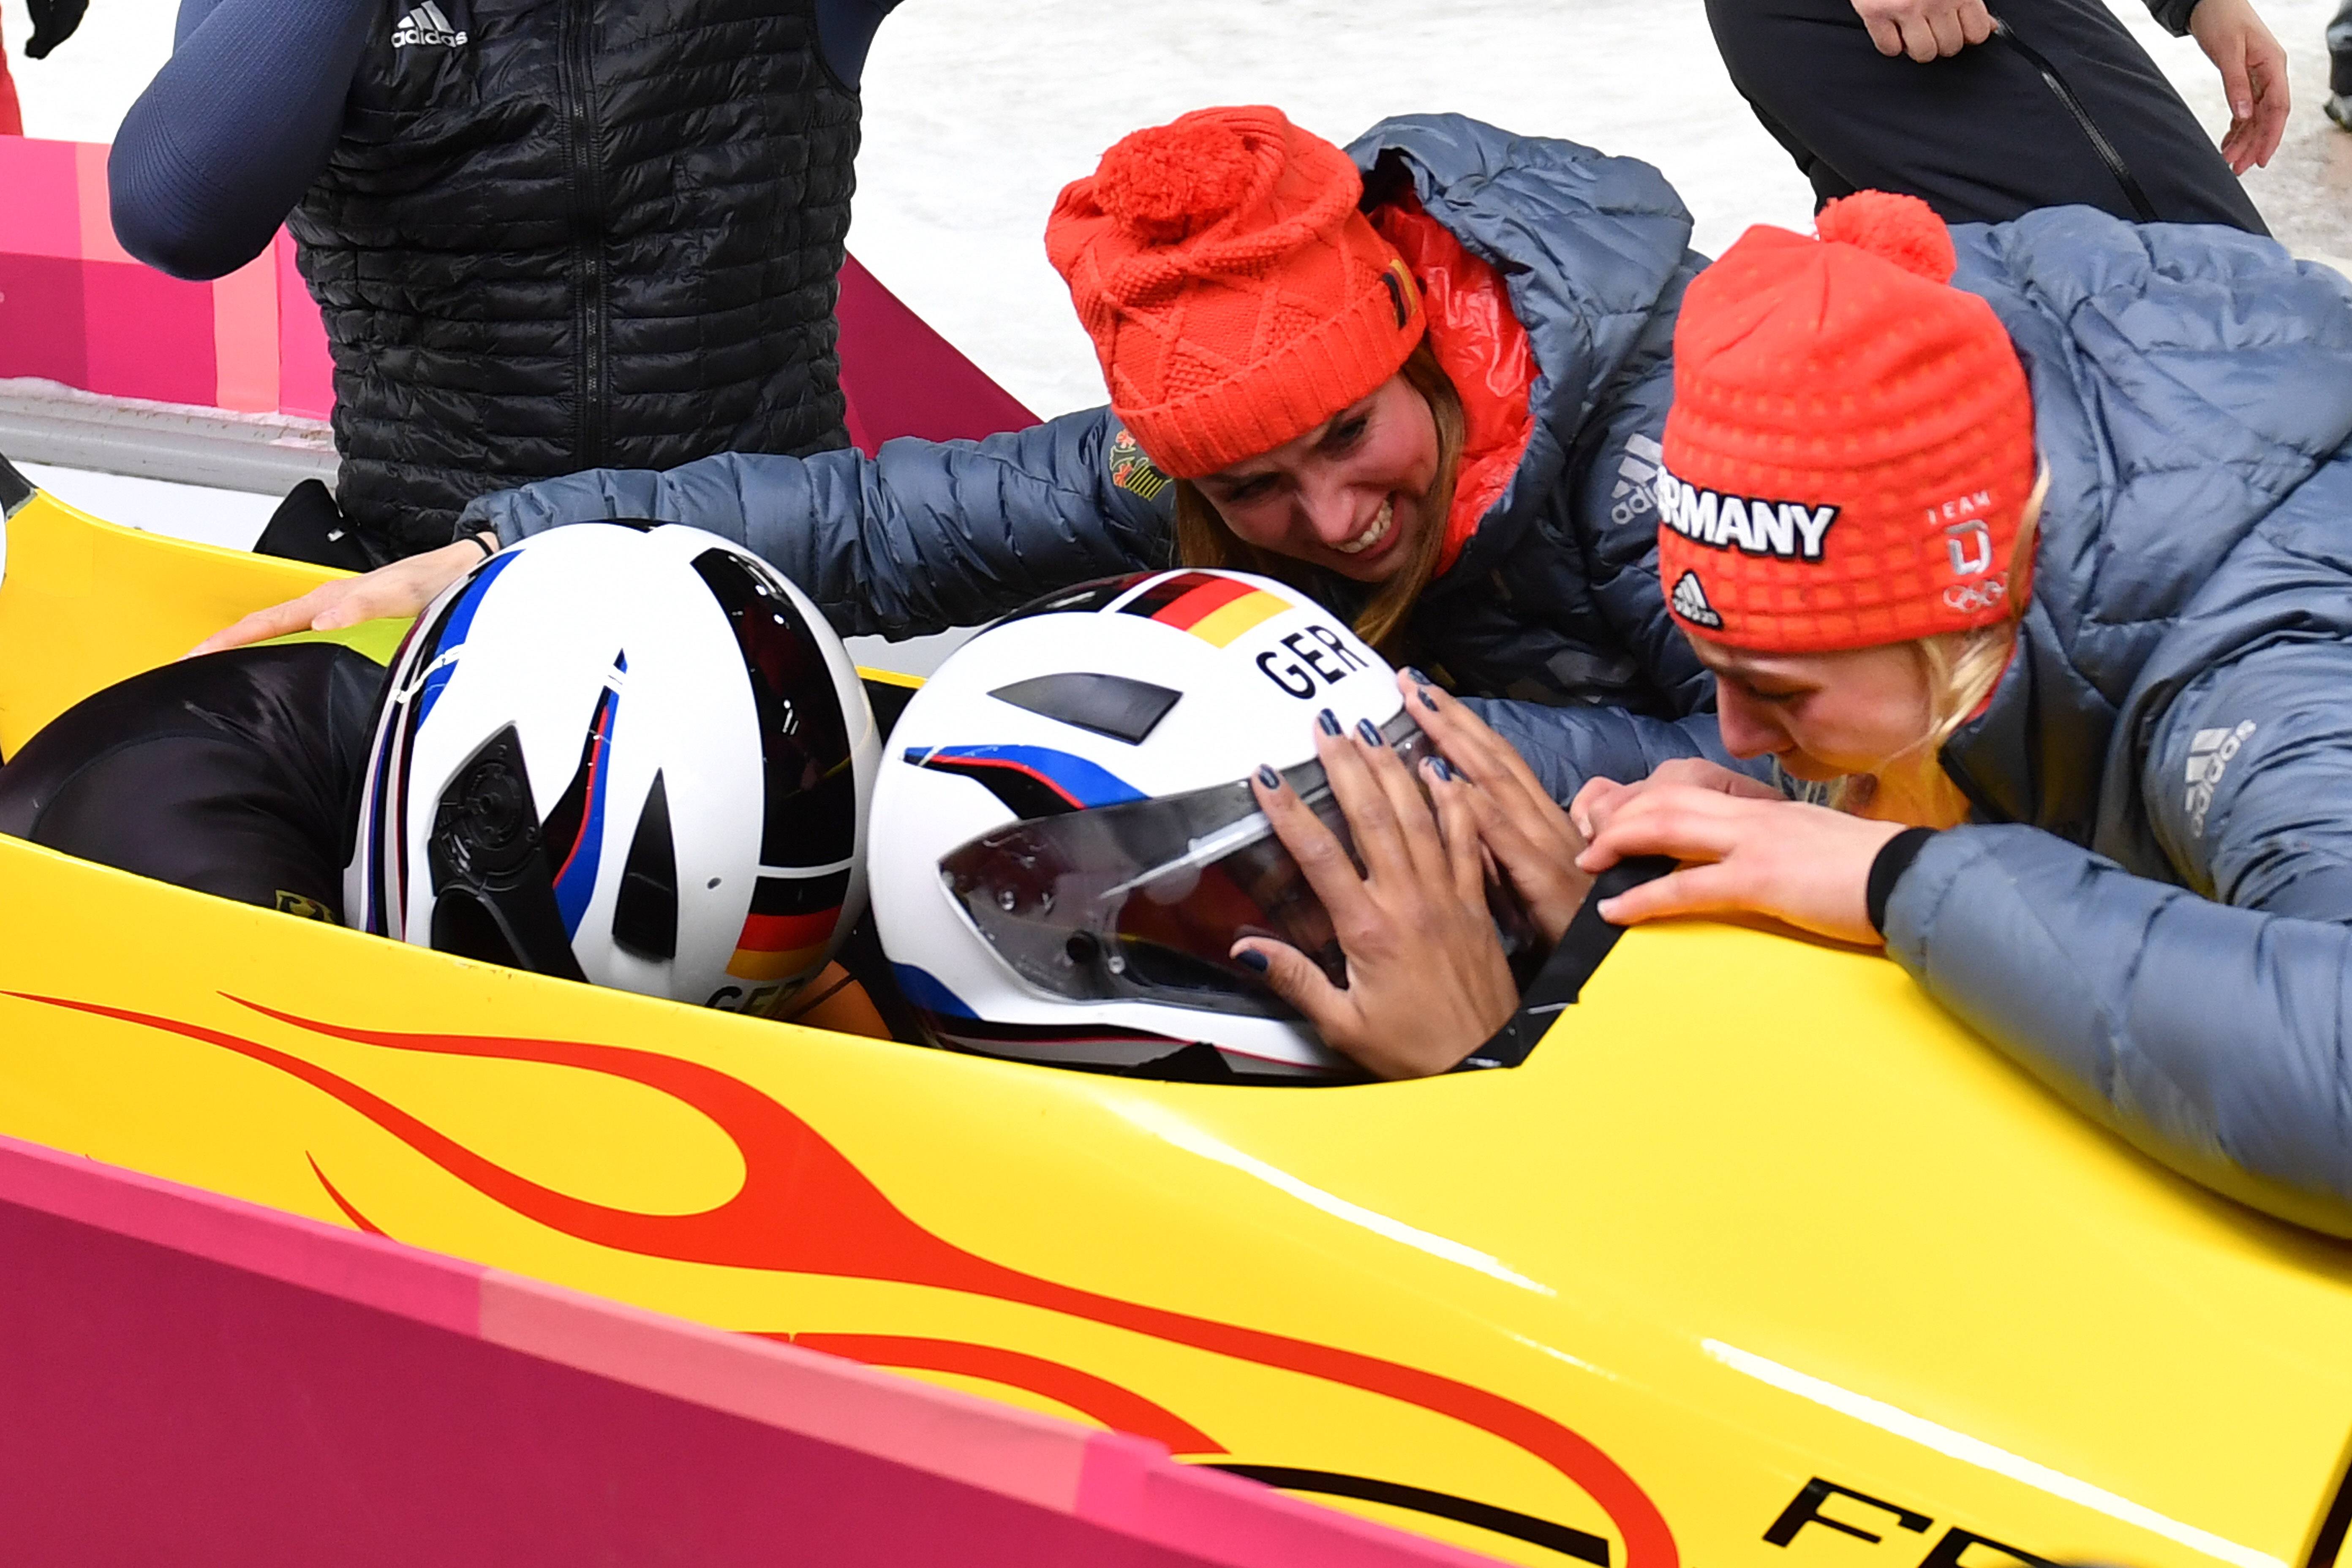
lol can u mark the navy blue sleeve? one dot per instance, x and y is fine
(844, 31)
(234, 128)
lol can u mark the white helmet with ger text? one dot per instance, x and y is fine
(1068, 846)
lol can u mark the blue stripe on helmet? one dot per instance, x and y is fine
(454, 630)
(925, 989)
(1086, 784)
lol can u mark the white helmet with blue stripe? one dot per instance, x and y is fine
(627, 753)
(1068, 846)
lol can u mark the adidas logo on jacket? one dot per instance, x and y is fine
(426, 24)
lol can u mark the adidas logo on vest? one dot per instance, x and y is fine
(1690, 603)
(426, 24)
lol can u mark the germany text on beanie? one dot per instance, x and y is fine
(1850, 446)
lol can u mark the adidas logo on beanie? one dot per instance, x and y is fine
(1689, 601)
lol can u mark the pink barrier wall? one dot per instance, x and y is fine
(75, 308)
(193, 1381)
(901, 378)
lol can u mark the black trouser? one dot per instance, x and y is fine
(2339, 52)
(236, 774)
(1980, 136)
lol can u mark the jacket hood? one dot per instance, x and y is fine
(2187, 380)
(1590, 249)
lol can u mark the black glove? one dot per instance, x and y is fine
(54, 22)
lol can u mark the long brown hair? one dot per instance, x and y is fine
(1204, 540)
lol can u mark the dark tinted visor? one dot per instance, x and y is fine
(1144, 901)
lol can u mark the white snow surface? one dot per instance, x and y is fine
(231, 519)
(977, 114)
(978, 111)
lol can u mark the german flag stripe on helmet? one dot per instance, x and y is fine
(1214, 609)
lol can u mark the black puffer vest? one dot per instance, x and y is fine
(561, 235)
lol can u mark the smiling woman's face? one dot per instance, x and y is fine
(1823, 715)
(1347, 495)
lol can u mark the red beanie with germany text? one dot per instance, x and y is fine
(1851, 446)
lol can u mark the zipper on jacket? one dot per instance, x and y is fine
(2098, 138)
(585, 178)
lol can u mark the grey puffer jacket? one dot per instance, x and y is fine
(1555, 599)
(2152, 912)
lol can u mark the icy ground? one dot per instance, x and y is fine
(979, 110)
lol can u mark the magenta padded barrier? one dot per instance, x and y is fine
(901, 378)
(43, 210)
(76, 308)
(147, 335)
(40, 316)
(40, 262)
(245, 329)
(190, 1380)
(306, 374)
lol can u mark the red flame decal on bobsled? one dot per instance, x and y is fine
(804, 1209)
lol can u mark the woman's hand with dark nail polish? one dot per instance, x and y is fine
(1427, 982)
(1533, 842)
(1329, 720)
(1368, 733)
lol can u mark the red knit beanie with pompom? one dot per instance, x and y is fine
(1851, 446)
(1236, 298)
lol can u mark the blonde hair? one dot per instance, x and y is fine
(1962, 669)
(1202, 538)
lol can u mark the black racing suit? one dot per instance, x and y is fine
(2063, 107)
(239, 774)
(236, 774)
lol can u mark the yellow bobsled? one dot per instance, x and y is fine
(1758, 1259)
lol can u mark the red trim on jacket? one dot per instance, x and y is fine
(1481, 346)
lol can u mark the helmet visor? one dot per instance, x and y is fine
(1144, 901)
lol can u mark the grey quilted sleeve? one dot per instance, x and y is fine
(2173, 15)
(2211, 1037)
(2244, 785)
(1613, 473)
(923, 536)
